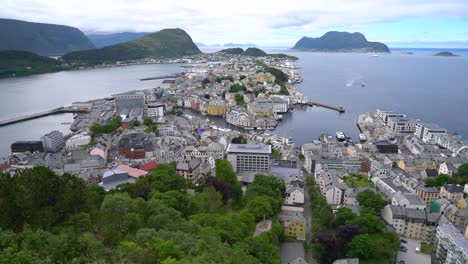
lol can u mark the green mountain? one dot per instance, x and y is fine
(341, 42)
(256, 52)
(103, 40)
(43, 39)
(167, 43)
(22, 63)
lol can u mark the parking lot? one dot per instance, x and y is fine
(410, 256)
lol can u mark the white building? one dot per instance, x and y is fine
(428, 132)
(451, 246)
(402, 125)
(77, 141)
(294, 195)
(155, 110)
(384, 115)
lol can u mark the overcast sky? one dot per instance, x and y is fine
(266, 23)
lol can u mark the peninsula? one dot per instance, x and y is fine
(335, 41)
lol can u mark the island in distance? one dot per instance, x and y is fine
(445, 54)
(335, 41)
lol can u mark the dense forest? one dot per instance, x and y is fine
(47, 218)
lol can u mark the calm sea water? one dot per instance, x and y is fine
(433, 89)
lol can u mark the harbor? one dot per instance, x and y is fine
(59, 110)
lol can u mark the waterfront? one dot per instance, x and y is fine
(426, 87)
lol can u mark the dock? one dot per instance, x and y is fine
(339, 109)
(59, 110)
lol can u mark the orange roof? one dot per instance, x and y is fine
(132, 172)
(149, 166)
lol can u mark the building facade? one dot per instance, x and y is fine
(249, 157)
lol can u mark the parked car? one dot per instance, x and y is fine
(401, 261)
(403, 249)
(403, 241)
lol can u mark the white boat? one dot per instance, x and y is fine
(340, 135)
(279, 117)
(349, 84)
(362, 137)
(375, 55)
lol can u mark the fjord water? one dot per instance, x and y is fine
(434, 89)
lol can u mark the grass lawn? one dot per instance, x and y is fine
(426, 248)
(353, 181)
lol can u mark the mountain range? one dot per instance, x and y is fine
(103, 40)
(42, 39)
(164, 44)
(340, 42)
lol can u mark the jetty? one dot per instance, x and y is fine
(310, 103)
(59, 110)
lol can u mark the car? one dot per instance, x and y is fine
(403, 249)
(403, 241)
(401, 261)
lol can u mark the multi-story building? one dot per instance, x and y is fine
(402, 125)
(452, 192)
(408, 200)
(412, 223)
(155, 110)
(53, 142)
(450, 245)
(249, 157)
(388, 186)
(190, 170)
(384, 115)
(458, 216)
(77, 141)
(26, 146)
(125, 102)
(427, 132)
(427, 193)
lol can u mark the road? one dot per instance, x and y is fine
(308, 216)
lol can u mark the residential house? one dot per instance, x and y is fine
(191, 170)
(453, 192)
(450, 245)
(408, 200)
(447, 168)
(294, 195)
(427, 194)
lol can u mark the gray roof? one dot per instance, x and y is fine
(249, 148)
(449, 229)
(453, 188)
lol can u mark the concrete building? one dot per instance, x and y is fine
(125, 102)
(427, 193)
(249, 157)
(402, 125)
(53, 142)
(450, 245)
(26, 146)
(452, 192)
(384, 115)
(408, 200)
(294, 195)
(155, 110)
(77, 141)
(112, 178)
(427, 132)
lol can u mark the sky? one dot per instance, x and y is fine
(269, 23)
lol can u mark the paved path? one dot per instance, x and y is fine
(291, 251)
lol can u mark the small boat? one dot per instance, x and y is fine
(349, 84)
(362, 137)
(375, 55)
(340, 135)
(363, 84)
(279, 117)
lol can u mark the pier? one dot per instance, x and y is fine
(312, 103)
(60, 110)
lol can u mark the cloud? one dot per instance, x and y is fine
(267, 22)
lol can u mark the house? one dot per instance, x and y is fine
(190, 170)
(447, 168)
(450, 245)
(427, 194)
(388, 186)
(452, 192)
(408, 200)
(458, 216)
(294, 195)
(427, 173)
(294, 224)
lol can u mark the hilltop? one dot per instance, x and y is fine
(255, 52)
(103, 40)
(340, 42)
(23, 63)
(167, 43)
(43, 39)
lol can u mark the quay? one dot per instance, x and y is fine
(339, 109)
(59, 110)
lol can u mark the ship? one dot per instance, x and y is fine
(363, 84)
(362, 137)
(340, 135)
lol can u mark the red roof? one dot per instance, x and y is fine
(149, 166)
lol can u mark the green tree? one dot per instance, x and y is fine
(208, 201)
(224, 172)
(371, 201)
(260, 207)
(344, 215)
(361, 247)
